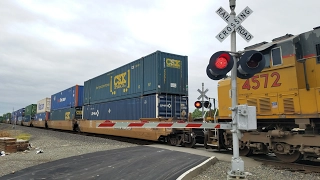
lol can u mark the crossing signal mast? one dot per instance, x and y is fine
(243, 65)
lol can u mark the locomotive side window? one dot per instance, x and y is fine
(318, 53)
(267, 58)
(276, 56)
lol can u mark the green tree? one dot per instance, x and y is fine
(196, 113)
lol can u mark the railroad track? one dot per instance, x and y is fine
(301, 166)
(116, 138)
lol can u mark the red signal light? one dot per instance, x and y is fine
(219, 65)
(198, 104)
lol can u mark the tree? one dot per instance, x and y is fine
(196, 113)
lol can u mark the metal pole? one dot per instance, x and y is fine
(202, 101)
(237, 165)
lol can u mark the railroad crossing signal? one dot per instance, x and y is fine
(234, 24)
(221, 62)
(199, 104)
(203, 94)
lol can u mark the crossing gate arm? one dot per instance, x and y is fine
(109, 124)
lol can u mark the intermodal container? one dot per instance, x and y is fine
(42, 116)
(44, 105)
(21, 112)
(30, 110)
(27, 118)
(66, 114)
(156, 73)
(151, 106)
(165, 73)
(20, 118)
(71, 97)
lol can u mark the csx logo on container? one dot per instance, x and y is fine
(120, 80)
(40, 106)
(173, 63)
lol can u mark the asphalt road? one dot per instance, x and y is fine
(141, 162)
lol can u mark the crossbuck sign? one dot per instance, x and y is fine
(234, 24)
(203, 94)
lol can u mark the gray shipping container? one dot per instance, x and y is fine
(157, 73)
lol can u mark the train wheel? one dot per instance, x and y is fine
(245, 151)
(190, 144)
(173, 141)
(293, 157)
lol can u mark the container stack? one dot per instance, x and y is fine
(43, 109)
(154, 86)
(30, 112)
(20, 115)
(67, 104)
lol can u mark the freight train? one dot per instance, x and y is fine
(153, 88)
(286, 94)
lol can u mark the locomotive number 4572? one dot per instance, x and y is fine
(262, 79)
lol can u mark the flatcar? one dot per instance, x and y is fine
(286, 94)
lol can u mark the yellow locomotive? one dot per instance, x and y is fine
(286, 94)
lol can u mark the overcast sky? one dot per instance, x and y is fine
(48, 46)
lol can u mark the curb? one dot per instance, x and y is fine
(193, 172)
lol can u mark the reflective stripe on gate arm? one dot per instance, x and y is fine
(109, 124)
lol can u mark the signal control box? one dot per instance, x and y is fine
(247, 117)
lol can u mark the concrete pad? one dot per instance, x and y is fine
(221, 156)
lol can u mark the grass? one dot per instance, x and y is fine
(24, 136)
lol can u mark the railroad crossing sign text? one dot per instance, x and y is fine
(234, 24)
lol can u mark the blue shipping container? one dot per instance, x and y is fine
(71, 97)
(20, 112)
(66, 114)
(157, 73)
(27, 118)
(42, 116)
(151, 106)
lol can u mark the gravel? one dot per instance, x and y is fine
(219, 170)
(55, 145)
